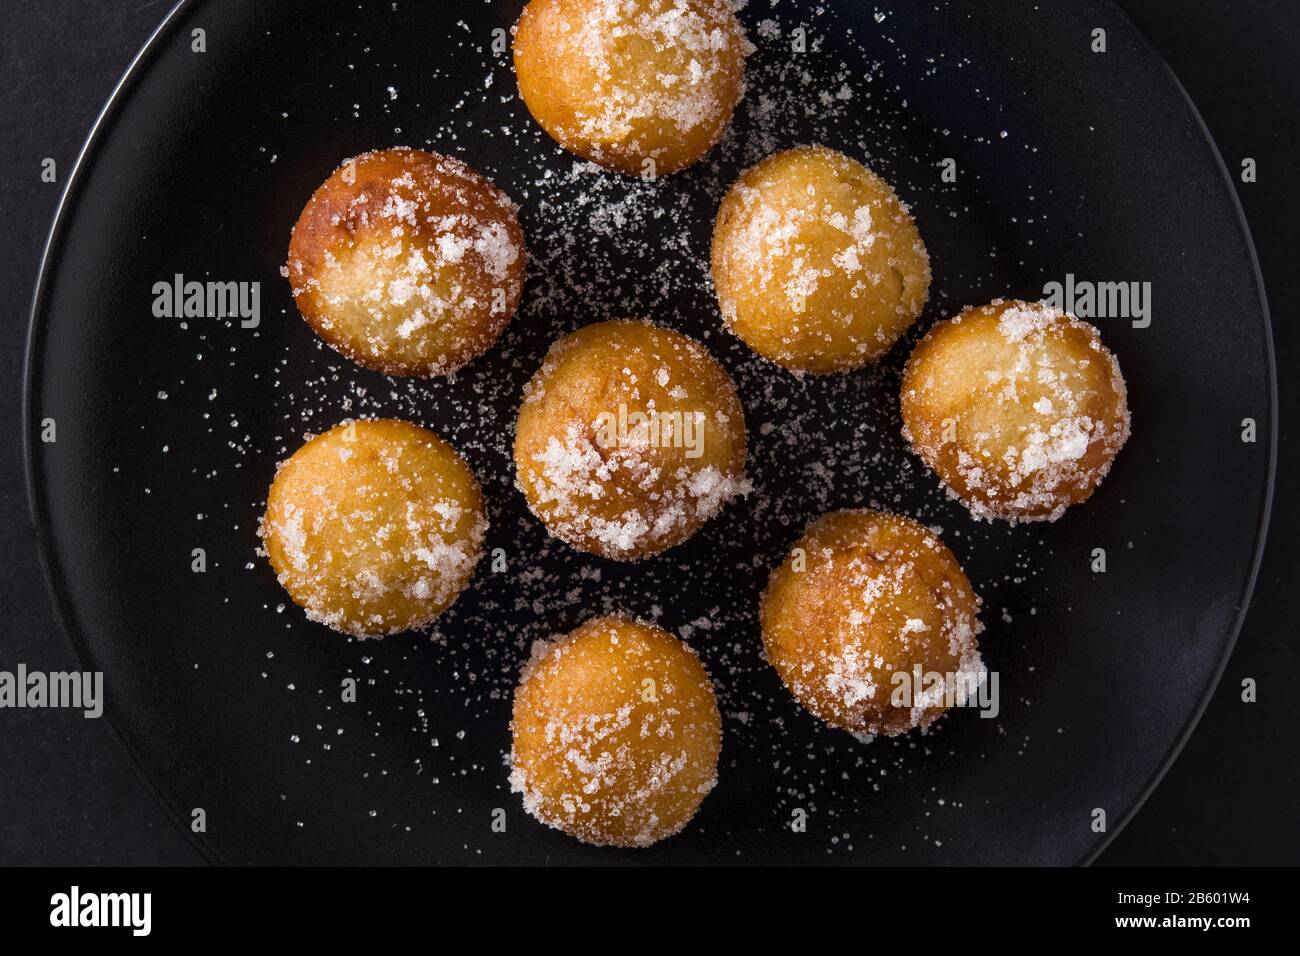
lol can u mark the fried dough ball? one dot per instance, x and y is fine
(629, 438)
(374, 527)
(1017, 407)
(616, 733)
(406, 262)
(629, 83)
(866, 605)
(817, 264)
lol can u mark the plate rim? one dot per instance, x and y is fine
(55, 582)
(1270, 468)
(34, 349)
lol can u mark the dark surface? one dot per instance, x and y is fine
(229, 703)
(1200, 796)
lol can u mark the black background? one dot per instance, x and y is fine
(67, 795)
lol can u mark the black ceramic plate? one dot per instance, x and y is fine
(1068, 161)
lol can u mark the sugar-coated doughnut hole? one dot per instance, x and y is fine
(1017, 407)
(407, 262)
(616, 733)
(644, 87)
(630, 437)
(817, 264)
(374, 527)
(871, 624)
